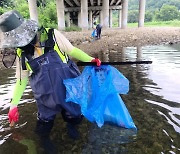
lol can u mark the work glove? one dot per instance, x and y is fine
(98, 62)
(13, 115)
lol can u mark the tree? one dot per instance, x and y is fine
(133, 16)
(41, 3)
(23, 8)
(48, 15)
(167, 13)
(133, 4)
(5, 3)
(175, 3)
(153, 5)
(148, 16)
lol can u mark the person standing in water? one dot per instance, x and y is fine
(43, 59)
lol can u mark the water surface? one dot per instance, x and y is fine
(153, 102)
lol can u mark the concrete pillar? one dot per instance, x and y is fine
(101, 18)
(139, 53)
(123, 54)
(33, 9)
(119, 18)
(105, 55)
(84, 15)
(68, 19)
(79, 19)
(105, 9)
(90, 19)
(60, 14)
(124, 14)
(110, 18)
(142, 4)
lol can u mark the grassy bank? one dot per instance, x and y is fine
(174, 23)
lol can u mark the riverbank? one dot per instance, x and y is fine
(114, 39)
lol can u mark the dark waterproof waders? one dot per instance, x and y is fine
(98, 28)
(47, 84)
(49, 91)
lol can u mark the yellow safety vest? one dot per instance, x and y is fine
(62, 55)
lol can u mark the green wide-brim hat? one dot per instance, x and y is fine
(15, 30)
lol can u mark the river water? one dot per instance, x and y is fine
(153, 102)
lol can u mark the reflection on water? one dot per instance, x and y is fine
(153, 102)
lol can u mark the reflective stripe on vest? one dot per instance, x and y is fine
(63, 56)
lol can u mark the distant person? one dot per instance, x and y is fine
(94, 32)
(98, 28)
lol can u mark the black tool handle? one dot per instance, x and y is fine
(114, 63)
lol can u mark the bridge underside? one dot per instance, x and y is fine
(84, 12)
(95, 8)
(77, 3)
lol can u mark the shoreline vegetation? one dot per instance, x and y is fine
(171, 23)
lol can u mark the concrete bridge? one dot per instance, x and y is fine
(84, 12)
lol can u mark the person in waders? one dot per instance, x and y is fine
(98, 28)
(43, 59)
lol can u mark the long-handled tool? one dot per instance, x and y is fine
(114, 63)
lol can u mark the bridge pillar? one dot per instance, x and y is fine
(68, 19)
(90, 19)
(60, 14)
(33, 9)
(84, 15)
(110, 18)
(82, 8)
(79, 19)
(101, 17)
(142, 4)
(120, 18)
(124, 14)
(105, 9)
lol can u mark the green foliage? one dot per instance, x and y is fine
(132, 25)
(23, 8)
(175, 3)
(174, 23)
(72, 28)
(115, 16)
(133, 16)
(6, 3)
(167, 13)
(133, 4)
(1, 10)
(153, 5)
(148, 16)
(41, 3)
(48, 15)
(157, 10)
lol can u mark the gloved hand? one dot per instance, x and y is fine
(98, 62)
(13, 115)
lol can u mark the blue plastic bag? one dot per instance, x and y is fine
(97, 91)
(94, 33)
